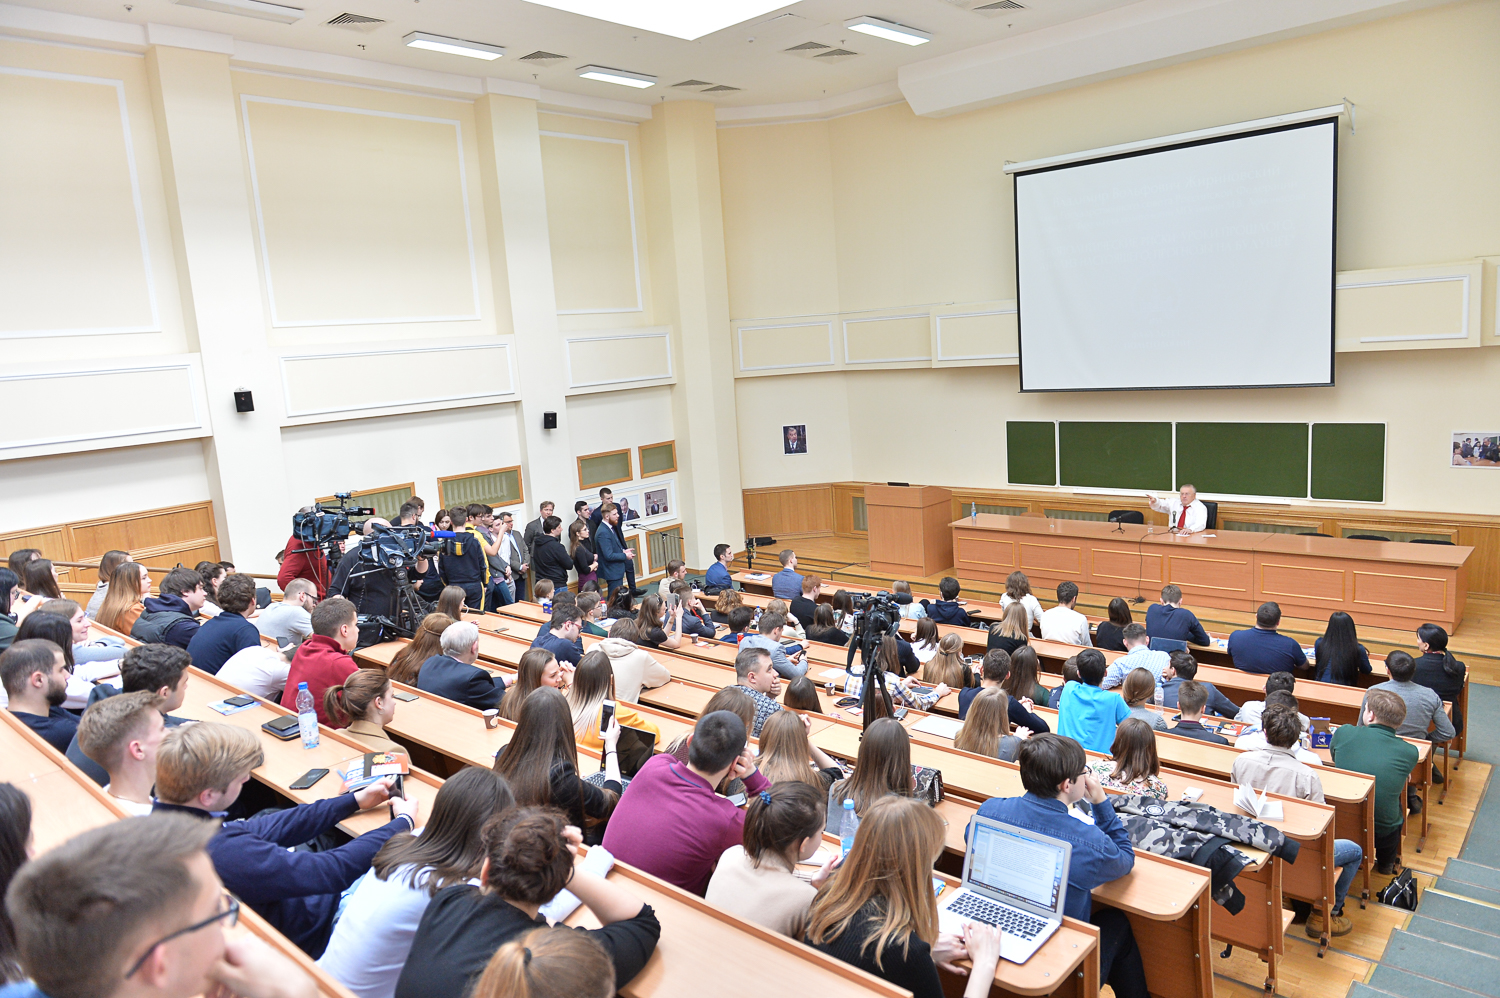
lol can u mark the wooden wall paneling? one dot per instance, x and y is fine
(844, 494)
(797, 509)
(53, 542)
(1484, 563)
(762, 512)
(144, 530)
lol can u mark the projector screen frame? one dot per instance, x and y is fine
(1132, 150)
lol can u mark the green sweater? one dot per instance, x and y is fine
(1377, 751)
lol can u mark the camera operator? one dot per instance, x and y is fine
(303, 561)
(470, 571)
(373, 592)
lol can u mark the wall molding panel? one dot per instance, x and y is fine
(888, 339)
(609, 361)
(592, 277)
(1408, 308)
(349, 384)
(961, 338)
(760, 345)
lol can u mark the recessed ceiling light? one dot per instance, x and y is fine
(625, 79)
(249, 8)
(453, 46)
(688, 19)
(889, 30)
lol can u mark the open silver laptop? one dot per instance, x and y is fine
(1014, 879)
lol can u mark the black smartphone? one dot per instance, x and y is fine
(405, 696)
(307, 779)
(240, 701)
(900, 713)
(398, 789)
(607, 715)
(286, 727)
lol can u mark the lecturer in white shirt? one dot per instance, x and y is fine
(1185, 514)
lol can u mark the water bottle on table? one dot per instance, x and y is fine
(307, 717)
(848, 825)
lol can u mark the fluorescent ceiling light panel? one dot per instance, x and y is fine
(249, 8)
(889, 30)
(688, 19)
(453, 46)
(606, 75)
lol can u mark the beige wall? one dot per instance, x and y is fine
(885, 210)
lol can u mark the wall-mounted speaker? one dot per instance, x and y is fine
(549, 420)
(244, 401)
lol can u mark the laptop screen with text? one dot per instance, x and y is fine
(1018, 868)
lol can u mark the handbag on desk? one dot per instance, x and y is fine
(928, 784)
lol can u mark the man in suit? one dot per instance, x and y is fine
(794, 442)
(512, 554)
(606, 498)
(534, 530)
(1169, 619)
(453, 674)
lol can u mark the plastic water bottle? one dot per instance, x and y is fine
(307, 717)
(848, 825)
(1160, 696)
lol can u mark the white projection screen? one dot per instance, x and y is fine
(1205, 264)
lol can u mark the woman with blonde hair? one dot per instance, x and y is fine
(594, 683)
(787, 754)
(878, 913)
(792, 632)
(909, 611)
(556, 962)
(129, 585)
(724, 604)
(987, 729)
(1133, 766)
(538, 668)
(1011, 631)
(948, 665)
(1018, 590)
(1138, 689)
(363, 706)
(428, 641)
(882, 767)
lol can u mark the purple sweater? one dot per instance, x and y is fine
(670, 823)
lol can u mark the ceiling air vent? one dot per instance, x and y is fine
(356, 22)
(998, 8)
(807, 49)
(691, 84)
(540, 58)
(834, 55)
(720, 89)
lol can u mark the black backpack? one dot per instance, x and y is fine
(1401, 892)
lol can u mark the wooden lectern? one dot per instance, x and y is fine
(908, 528)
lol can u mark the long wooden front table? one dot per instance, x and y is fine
(1385, 583)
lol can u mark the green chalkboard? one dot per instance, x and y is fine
(1348, 461)
(1243, 459)
(1030, 453)
(1115, 455)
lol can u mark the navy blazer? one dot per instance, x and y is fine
(447, 677)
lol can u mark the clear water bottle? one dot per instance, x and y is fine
(1160, 696)
(848, 825)
(307, 717)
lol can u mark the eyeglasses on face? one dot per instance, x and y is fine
(229, 913)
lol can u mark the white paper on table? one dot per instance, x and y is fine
(943, 727)
(597, 861)
(756, 575)
(832, 674)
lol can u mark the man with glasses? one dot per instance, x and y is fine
(200, 771)
(35, 675)
(513, 556)
(135, 908)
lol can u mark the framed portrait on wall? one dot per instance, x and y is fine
(794, 439)
(1476, 449)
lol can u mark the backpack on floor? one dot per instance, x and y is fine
(1401, 892)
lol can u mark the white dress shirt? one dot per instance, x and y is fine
(1063, 623)
(1197, 513)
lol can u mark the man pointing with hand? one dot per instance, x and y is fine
(1185, 514)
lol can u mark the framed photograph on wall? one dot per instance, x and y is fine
(660, 501)
(794, 439)
(1476, 449)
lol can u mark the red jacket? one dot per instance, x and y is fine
(299, 564)
(320, 663)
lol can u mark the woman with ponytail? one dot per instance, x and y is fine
(1438, 670)
(548, 963)
(528, 858)
(363, 706)
(757, 881)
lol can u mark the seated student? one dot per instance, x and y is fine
(540, 763)
(259, 670)
(878, 913)
(888, 660)
(212, 573)
(787, 754)
(122, 605)
(947, 610)
(427, 642)
(1425, 716)
(170, 617)
(669, 822)
(159, 669)
(10, 589)
(1011, 631)
(1138, 655)
(793, 636)
(1250, 712)
(1022, 683)
(1373, 747)
(1087, 713)
(717, 579)
(882, 767)
(527, 862)
(948, 665)
(1170, 619)
(924, 643)
(1183, 667)
(1056, 775)
(108, 562)
(363, 706)
(453, 674)
(556, 962)
(769, 638)
(453, 602)
(696, 621)
(594, 683)
(843, 610)
(200, 770)
(62, 622)
(658, 627)
(787, 584)
(805, 606)
(724, 604)
(1261, 649)
(292, 617)
(39, 584)
(538, 667)
(1190, 700)
(912, 609)
(121, 734)
(1138, 691)
(323, 659)
(406, 874)
(1062, 622)
(635, 670)
(801, 694)
(93, 916)
(1110, 634)
(1018, 590)
(754, 673)
(676, 572)
(1255, 737)
(986, 730)
(1439, 671)
(231, 630)
(825, 630)
(591, 607)
(740, 619)
(993, 673)
(35, 675)
(734, 700)
(757, 881)
(1133, 765)
(1275, 768)
(1069, 675)
(1338, 656)
(561, 635)
(620, 603)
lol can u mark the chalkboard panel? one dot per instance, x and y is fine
(1116, 455)
(1348, 461)
(1030, 453)
(1244, 459)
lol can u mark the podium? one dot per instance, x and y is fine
(909, 531)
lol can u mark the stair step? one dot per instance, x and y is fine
(1455, 934)
(1432, 958)
(1460, 911)
(1358, 990)
(1473, 873)
(1468, 890)
(1393, 981)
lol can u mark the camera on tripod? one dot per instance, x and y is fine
(875, 616)
(326, 525)
(401, 547)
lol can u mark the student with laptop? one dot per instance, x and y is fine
(1056, 774)
(878, 912)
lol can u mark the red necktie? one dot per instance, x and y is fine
(1182, 518)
